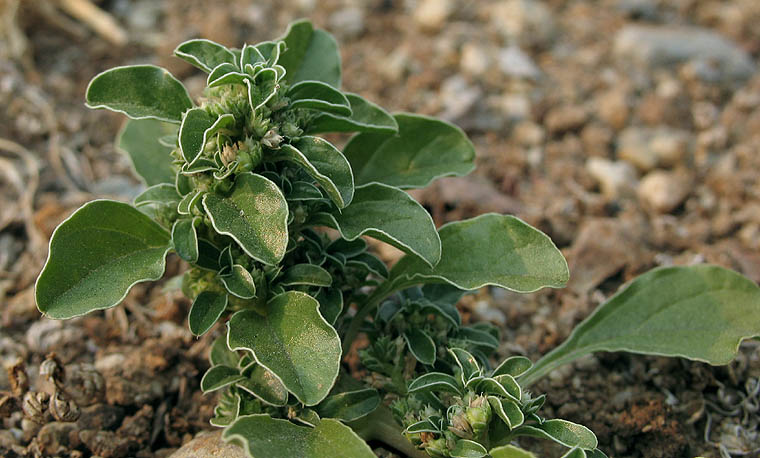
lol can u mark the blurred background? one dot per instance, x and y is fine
(627, 130)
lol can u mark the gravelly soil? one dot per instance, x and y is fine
(628, 130)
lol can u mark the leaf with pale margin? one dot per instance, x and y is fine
(507, 410)
(389, 215)
(330, 304)
(323, 162)
(575, 453)
(140, 91)
(204, 54)
(510, 451)
(197, 126)
(700, 312)
(465, 448)
(293, 341)
(255, 215)
(350, 405)
(265, 437)
(206, 310)
(514, 366)
(151, 160)
(490, 249)
(564, 432)
(311, 54)
(306, 274)
(185, 238)
(96, 256)
(158, 194)
(264, 385)
(424, 149)
(421, 345)
(365, 117)
(239, 282)
(219, 377)
(320, 96)
(225, 74)
(435, 381)
(221, 355)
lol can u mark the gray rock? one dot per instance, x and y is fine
(650, 148)
(458, 97)
(347, 22)
(528, 22)
(514, 62)
(616, 178)
(207, 445)
(656, 46)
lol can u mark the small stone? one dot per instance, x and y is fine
(432, 14)
(475, 60)
(669, 146)
(100, 417)
(528, 133)
(663, 191)
(528, 22)
(613, 108)
(565, 118)
(458, 97)
(57, 437)
(648, 148)
(662, 46)
(108, 444)
(209, 444)
(515, 63)
(616, 178)
(347, 22)
(596, 139)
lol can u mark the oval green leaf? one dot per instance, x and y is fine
(507, 410)
(320, 96)
(206, 310)
(700, 312)
(350, 405)
(158, 194)
(310, 54)
(465, 448)
(490, 249)
(265, 437)
(96, 256)
(325, 164)
(435, 381)
(221, 355)
(365, 117)
(421, 345)
(140, 91)
(219, 377)
(264, 385)
(293, 341)
(151, 160)
(306, 274)
(185, 239)
(510, 451)
(392, 216)
(514, 366)
(424, 149)
(239, 282)
(564, 432)
(204, 54)
(330, 303)
(255, 215)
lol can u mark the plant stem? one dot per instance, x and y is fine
(380, 426)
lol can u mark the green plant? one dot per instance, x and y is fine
(239, 187)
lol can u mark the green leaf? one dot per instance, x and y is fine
(392, 216)
(317, 95)
(700, 312)
(255, 215)
(465, 448)
(325, 164)
(510, 451)
(204, 54)
(151, 160)
(185, 239)
(306, 274)
(421, 345)
(311, 54)
(372, 263)
(208, 256)
(225, 74)
(514, 366)
(264, 385)
(206, 310)
(139, 91)
(239, 282)
(350, 405)
(467, 364)
(265, 437)
(250, 55)
(330, 304)
(293, 341)
(435, 381)
(219, 377)
(564, 432)
(490, 249)
(575, 453)
(158, 194)
(301, 190)
(365, 117)
(507, 410)
(221, 355)
(96, 256)
(424, 149)
(197, 126)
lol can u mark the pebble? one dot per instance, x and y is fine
(650, 148)
(475, 60)
(515, 63)
(209, 445)
(527, 22)
(565, 118)
(100, 416)
(458, 97)
(658, 46)
(616, 178)
(347, 22)
(613, 108)
(431, 15)
(663, 191)
(57, 436)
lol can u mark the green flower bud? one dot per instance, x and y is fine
(460, 426)
(478, 415)
(291, 130)
(437, 448)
